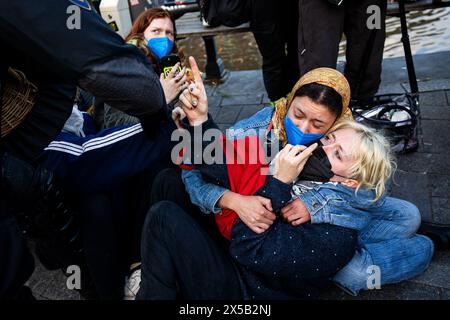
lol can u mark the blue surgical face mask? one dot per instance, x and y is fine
(296, 136)
(160, 46)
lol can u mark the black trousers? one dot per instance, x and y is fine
(180, 260)
(183, 253)
(112, 226)
(168, 186)
(273, 24)
(16, 261)
(320, 29)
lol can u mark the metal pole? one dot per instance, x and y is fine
(407, 49)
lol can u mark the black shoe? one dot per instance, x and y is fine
(24, 294)
(439, 234)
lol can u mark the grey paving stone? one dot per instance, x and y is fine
(428, 67)
(223, 126)
(250, 110)
(240, 100)
(439, 185)
(228, 114)
(402, 291)
(448, 97)
(432, 284)
(433, 163)
(436, 98)
(213, 112)
(388, 88)
(435, 113)
(265, 98)
(441, 210)
(421, 148)
(436, 135)
(413, 187)
(50, 285)
(442, 257)
(430, 85)
(243, 82)
(438, 273)
(445, 294)
(210, 89)
(214, 101)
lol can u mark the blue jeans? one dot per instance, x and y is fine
(391, 244)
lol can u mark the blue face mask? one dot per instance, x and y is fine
(296, 136)
(160, 46)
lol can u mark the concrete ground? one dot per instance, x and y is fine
(422, 177)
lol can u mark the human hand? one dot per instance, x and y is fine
(174, 83)
(254, 211)
(177, 116)
(194, 100)
(290, 161)
(296, 213)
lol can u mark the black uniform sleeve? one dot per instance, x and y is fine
(16, 261)
(92, 56)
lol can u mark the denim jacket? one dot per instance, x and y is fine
(340, 205)
(331, 203)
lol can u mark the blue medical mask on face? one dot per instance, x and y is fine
(296, 136)
(160, 46)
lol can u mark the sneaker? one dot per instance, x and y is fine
(132, 285)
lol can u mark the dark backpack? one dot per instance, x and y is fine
(230, 13)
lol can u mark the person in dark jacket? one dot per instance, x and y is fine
(58, 46)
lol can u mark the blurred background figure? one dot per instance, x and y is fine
(273, 25)
(320, 29)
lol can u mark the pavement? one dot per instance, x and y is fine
(423, 177)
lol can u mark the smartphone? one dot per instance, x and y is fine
(167, 63)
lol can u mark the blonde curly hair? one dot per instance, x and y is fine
(374, 163)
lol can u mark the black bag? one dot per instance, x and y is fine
(395, 114)
(230, 13)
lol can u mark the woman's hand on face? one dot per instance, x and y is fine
(193, 99)
(296, 213)
(254, 211)
(174, 84)
(290, 161)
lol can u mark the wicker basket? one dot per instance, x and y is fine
(18, 100)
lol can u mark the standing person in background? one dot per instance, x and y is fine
(320, 29)
(273, 26)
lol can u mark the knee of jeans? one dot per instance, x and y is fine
(411, 217)
(353, 277)
(427, 248)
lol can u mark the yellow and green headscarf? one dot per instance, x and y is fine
(324, 76)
